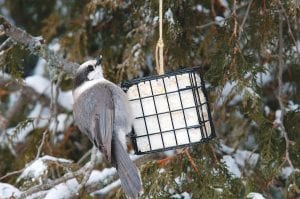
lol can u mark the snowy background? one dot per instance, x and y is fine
(249, 53)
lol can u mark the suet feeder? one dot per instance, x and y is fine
(170, 111)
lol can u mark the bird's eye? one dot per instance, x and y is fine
(90, 68)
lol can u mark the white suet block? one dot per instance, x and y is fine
(192, 117)
(145, 89)
(156, 141)
(195, 135)
(182, 136)
(178, 119)
(187, 98)
(174, 100)
(161, 104)
(139, 126)
(167, 106)
(137, 108)
(170, 83)
(165, 120)
(169, 139)
(152, 124)
(148, 106)
(143, 143)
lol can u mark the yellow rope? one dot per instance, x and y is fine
(159, 51)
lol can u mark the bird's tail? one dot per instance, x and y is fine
(127, 171)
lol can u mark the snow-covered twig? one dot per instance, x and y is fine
(36, 46)
(90, 186)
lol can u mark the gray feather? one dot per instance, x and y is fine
(127, 171)
(102, 112)
(104, 123)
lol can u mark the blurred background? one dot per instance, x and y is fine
(249, 52)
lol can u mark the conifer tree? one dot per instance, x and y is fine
(249, 52)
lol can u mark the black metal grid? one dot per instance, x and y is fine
(199, 106)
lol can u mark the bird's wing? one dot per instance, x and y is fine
(104, 121)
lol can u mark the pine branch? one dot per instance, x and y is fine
(36, 46)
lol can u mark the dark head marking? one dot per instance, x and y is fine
(90, 68)
(82, 76)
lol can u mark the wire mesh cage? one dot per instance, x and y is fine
(170, 111)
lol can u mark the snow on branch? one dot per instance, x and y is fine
(36, 46)
(68, 185)
(40, 166)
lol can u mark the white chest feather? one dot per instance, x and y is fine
(96, 74)
(85, 86)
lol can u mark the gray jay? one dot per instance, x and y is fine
(101, 111)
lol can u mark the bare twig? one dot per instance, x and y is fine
(212, 6)
(54, 99)
(12, 173)
(36, 46)
(234, 16)
(264, 7)
(235, 36)
(210, 24)
(3, 122)
(281, 126)
(84, 156)
(245, 17)
(27, 92)
(214, 153)
(6, 44)
(226, 18)
(290, 29)
(186, 151)
(42, 144)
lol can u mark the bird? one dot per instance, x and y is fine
(101, 111)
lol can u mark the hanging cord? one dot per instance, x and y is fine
(159, 51)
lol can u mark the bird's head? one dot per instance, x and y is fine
(88, 71)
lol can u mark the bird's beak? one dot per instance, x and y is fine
(99, 60)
